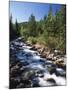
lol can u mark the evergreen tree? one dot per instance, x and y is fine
(11, 29)
(17, 28)
(49, 22)
(32, 26)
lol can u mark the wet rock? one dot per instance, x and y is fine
(52, 69)
(48, 62)
(51, 80)
(60, 72)
(60, 63)
(57, 52)
(22, 69)
(60, 60)
(37, 46)
(45, 54)
(13, 73)
(13, 61)
(20, 64)
(50, 56)
(27, 84)
(39, 73)
(42, 61)
(13, 83)
(28, 55)
(15, 70)
(41, 50)
(25, 63)
(21, 85)
(33, 48)
(54, 58)
(35, 82)
(27, 74)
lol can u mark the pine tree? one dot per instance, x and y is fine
(17, 28)
(49, 22)
(32, 26)
(11, 29)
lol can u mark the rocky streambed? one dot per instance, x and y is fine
(31, 66)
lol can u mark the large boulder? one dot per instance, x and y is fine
(27, 74)
(60, 72)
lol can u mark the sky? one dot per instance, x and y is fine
(22, 10)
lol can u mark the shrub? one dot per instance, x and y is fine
(52, 42)
(32, 40)
(41, 40)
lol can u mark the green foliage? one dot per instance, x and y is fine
(32, 40)
(41, 40)
(52, 42)
(24, 32)
(32, 26)
(17, 28)
(14, 29)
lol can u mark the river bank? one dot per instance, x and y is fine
(56, 56)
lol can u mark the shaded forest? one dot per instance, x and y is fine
(49, 31)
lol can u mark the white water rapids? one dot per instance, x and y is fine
(36, 62)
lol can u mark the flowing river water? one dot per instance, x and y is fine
(45, 72)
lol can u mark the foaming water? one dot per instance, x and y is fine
(59, 80)
(36, 66)
(36, 57)
(43, 82)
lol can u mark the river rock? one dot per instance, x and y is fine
(25, 63)
(57, 52)
(39, 73)
(13, 61)
(37, 46)
(54, 58)
(33, 48)
(50, 56)
(13, 83)
(35, 82)
(15, 70)
(27, 74)
(52, 69)
(51, 80)
(60, 63)
(14, 67)
(60, 72)
(21, 85)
